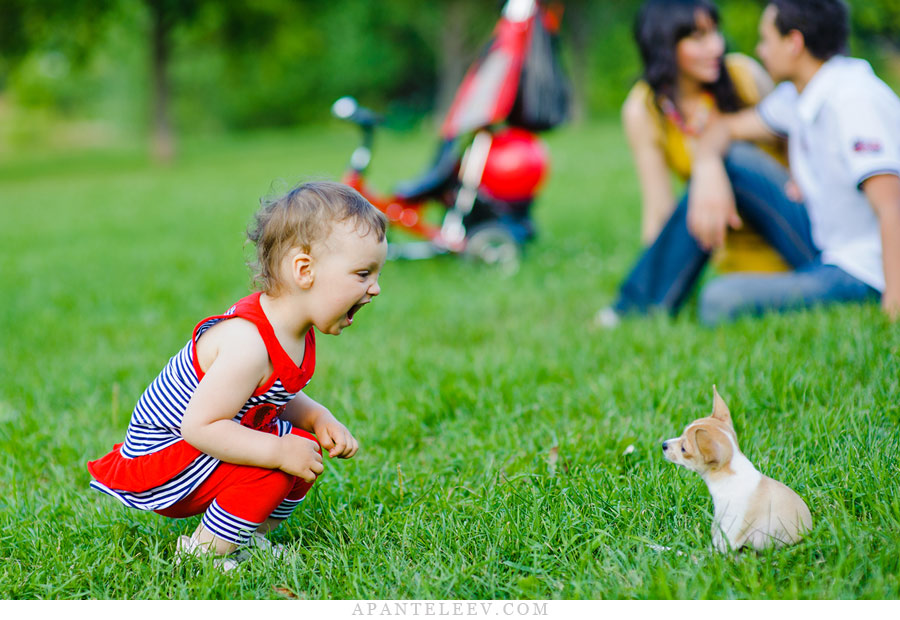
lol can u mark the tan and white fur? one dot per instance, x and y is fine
(750, 509)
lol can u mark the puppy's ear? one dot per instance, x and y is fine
(710, 450)
(720, 409)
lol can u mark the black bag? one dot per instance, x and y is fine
(542, 100)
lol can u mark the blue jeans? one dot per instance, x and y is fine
(728, 297)
(667, 271)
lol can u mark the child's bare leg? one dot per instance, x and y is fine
(206, 538)
(268, 525)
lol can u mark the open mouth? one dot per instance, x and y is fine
(353, 311)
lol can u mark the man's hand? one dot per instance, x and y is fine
(890, 304)
(711, 205)
(301, 457)
(335, 437)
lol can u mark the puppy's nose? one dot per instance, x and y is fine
(665, 446)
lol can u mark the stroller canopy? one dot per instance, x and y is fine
(516, 79)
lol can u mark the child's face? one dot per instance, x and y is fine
(346, 268)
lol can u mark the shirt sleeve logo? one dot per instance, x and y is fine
(867, 146)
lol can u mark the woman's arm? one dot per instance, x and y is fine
(761, 78)
(239, 363)
(652, 171)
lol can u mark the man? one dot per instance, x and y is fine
(837, 223)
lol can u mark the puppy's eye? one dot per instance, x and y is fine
(682, 449)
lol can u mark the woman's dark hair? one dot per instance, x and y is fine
(659, 26)
(824, 24)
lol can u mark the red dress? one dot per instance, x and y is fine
(154, 467)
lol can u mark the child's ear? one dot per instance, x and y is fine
(302, 270)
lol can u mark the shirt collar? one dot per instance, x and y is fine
(821, 85)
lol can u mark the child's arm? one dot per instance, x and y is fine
(305, 413)
(883, 193)
(239, 363)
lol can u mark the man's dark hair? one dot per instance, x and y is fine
(824, 24)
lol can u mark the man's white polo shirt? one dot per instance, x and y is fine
(842, 129)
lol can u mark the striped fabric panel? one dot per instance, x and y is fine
(227, 526)
(156, 420)
(285, 508)
(156, 424)
(169, 493)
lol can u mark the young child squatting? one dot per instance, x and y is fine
(224, 430)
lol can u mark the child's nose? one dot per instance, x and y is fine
(374, 289)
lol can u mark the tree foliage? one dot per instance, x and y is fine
(254, 63)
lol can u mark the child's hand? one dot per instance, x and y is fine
(335, 437)
(301, 457)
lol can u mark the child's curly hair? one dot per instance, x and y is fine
(303, 217)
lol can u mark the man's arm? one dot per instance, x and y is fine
(749, 126)
(883, 193)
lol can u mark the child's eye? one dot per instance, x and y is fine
(363, 274)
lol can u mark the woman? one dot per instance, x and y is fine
(688, 80)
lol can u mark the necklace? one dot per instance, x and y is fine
(670, 110)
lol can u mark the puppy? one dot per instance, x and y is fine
(750, 509)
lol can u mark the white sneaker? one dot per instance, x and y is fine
(607, 318)
(187, 546)
(264, 545)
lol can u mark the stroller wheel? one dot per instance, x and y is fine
(493, 244)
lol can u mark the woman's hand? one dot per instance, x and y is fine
(711, 205)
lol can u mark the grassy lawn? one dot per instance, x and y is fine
(493, 421)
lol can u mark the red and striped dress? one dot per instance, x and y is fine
(155, 467)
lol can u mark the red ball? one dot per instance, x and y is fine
(516, 165)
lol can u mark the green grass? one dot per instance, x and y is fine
(458, 382)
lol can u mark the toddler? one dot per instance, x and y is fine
(224, 430)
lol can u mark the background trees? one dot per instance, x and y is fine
(155, 68)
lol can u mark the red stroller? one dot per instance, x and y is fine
(515, 88)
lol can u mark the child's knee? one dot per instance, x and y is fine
(275, 484)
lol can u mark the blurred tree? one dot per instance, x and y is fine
(880, 18)
(203, 65)
(164, 16)
(604, 60)
(579, 20)
(67, 26)
(463, 28)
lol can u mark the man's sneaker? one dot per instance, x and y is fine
(188, 546)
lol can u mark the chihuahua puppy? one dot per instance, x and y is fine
(750, 509)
